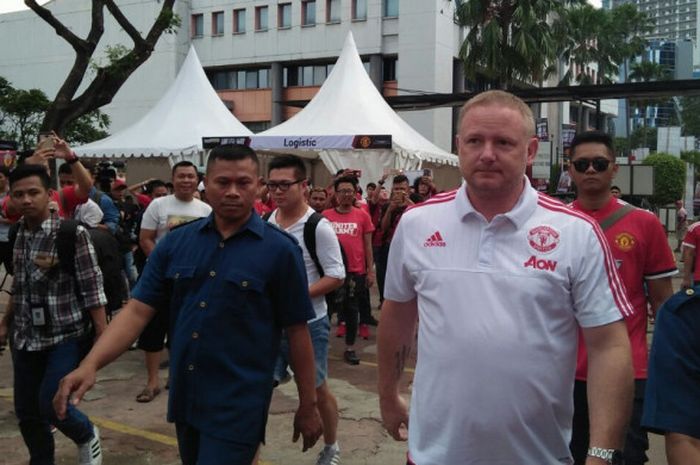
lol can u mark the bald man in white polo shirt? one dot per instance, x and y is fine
(501, 278)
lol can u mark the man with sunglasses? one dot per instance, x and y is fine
(644, 262)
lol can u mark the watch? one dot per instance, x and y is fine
(612, 456)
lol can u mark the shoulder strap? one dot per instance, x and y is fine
(65, 244)
(310, 239)
(615, 216)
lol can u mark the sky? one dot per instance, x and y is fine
(13, 5)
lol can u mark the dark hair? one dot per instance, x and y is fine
(152, 185)
(596, 137)
(5, 170)
(184, 164)
(371, 185)
(232, 152)
(615, 187)
(26, 171)
(65, 169)
(318, 189)
(399, 178)
(288, 161)
(350, 179)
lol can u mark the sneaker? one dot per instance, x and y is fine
(364, 332)
(330, 455)
(341, 330)
(351, 358)
(90, 453)
(373, 321)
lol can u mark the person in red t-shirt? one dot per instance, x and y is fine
(354, 230)
(691, 266)
(645, 264)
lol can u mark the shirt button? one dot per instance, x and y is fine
(244, 284)
(212, 273)
(202, 304)
(190, 367)
(195, 335)
(221, 245)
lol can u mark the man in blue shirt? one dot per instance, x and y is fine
(233, 283)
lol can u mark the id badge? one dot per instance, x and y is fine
(38, 316)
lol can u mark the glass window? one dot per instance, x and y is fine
(197, 25)
(261, 18)
(263, 78)
(239, 21)
(308, 12)
(359, 9)
(284, 15)
(391, 8)
(319, 74)
(332, 11)
(308, 76)
(251, 79)
(240, 80)
(390, 69)
(217, 23)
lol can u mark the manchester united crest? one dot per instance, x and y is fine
(543, 239)
(625, 241)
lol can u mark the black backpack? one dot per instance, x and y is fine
(310, 240)
(65, 244)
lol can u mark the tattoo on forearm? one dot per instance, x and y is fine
(401, 357)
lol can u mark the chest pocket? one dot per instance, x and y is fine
(180, 281)
(244, 294)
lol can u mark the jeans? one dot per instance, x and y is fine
(381, 257)
(36, 381)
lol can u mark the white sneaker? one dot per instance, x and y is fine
(90, 453)
(330, 455)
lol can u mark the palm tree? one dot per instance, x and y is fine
(509, 40)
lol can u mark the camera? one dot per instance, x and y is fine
(106, 172)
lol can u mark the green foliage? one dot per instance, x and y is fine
(622, 146)
(644, 137)
(669, 178)
(171, 21)
(691, 156)
(21, 113)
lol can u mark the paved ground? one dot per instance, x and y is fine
(138, 434)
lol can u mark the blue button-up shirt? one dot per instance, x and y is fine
(228, 300)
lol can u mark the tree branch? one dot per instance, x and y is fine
(124, 22)
(78, 44)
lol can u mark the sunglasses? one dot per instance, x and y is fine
(599, 164)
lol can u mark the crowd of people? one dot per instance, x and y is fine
(529, 317)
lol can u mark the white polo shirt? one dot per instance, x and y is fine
(499, 304)
(327, 251)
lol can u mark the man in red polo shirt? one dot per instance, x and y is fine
(691, 266)
(645, 263)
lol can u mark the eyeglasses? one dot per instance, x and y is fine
(283, 186)
(599, 164)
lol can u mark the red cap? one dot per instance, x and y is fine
(119, 184)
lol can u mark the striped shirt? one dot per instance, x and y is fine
(39, 282)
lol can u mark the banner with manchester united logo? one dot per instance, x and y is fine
(8, 153)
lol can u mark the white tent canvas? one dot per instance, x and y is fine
(348, 104)
(174, 127)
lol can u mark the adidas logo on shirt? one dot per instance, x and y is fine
(435, 240)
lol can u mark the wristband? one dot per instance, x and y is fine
(73, 158)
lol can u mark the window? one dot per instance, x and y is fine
(284, 15)
(239, 21)
(240, 79)
(332, 11)
(308, 12)
(197, 25)
(391, 8)
(320, 73)
(261, 18)
(389, 69)
(263, 78)
(359, 9)
(217, 23)
(308, 75)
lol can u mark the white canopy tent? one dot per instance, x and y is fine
(174, 127)
(347, 114)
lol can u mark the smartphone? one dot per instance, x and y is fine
(46, 141)
(357, 173)
(428, 172)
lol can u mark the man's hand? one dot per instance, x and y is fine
(72, 388)
(370, 279)
(307, 423)
(686, 283)
(62, 149)
(395, 416)
(41, 157)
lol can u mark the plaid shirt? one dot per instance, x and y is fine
(39, 281)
